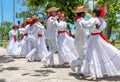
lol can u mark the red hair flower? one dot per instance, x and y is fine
(102, 11)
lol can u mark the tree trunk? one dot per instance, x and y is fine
(119, 36)
(109, 31)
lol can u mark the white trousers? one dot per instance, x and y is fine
(34, 48)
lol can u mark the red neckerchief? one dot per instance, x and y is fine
(31, 23)
(77, 17)
(49, 15)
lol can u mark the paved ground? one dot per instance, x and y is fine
(19, 70)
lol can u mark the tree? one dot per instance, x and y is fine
(64, 5)
(4, 33)
(29, 13)
(113, 7)
(6, 24)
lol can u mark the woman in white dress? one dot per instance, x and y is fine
(12, 39)
(80, 36)
(22, 49)
(101, 58)
(37, 40)
(66, 47)
(42, 48)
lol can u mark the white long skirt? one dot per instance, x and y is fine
(40, 51)
(66, 47)
(100, 58)
(11, 46)
(22, 48)
(42, 47)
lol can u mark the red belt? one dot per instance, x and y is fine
(39, 35)
(26, 34)
(101, 35)
(64, 31)
(15, 38)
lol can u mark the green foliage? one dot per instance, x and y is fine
(29, 13)
(64, 5)
(113, 8)
(4, 33)
(6, 24)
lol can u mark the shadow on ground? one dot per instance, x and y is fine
(113, 78)
(6, 58)
(77, 76)
(105, 78)
(39, 73)
(2, 80)
(9, 69)
(55, 67)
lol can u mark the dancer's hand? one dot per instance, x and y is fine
(97, 26)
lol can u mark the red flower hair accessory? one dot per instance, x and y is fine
(102, 11)
(14, 26)
(22, 25)
(61, 14)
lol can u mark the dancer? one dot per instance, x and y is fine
(51, 34)
(66, 47)
(23, 48)
(101, 58)
(12, 39)
(36, 38)
(80, 36)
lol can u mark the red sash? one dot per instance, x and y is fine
(15, 38)
(39, 35)
(101, 35)
(64, 31)
(26, 34)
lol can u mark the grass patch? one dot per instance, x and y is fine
(3, 43)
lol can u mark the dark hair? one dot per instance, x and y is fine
(81, 14)
(97, 12)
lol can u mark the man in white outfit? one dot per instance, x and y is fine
(80, 36)
(51, 34)
(33, 39)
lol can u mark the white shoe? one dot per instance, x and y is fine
(91, 78)
(30, 60)
(44, 62)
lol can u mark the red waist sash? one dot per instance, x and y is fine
(26, 34)
(15, 38)
(64, 31)
(39, 35)
(101, 35)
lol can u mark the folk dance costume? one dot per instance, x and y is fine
(51, 35)
(37, 41)
(80, 37)
(22, 48)
(12, 40)
(66, 47)
(101, 58)
(42, 48)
